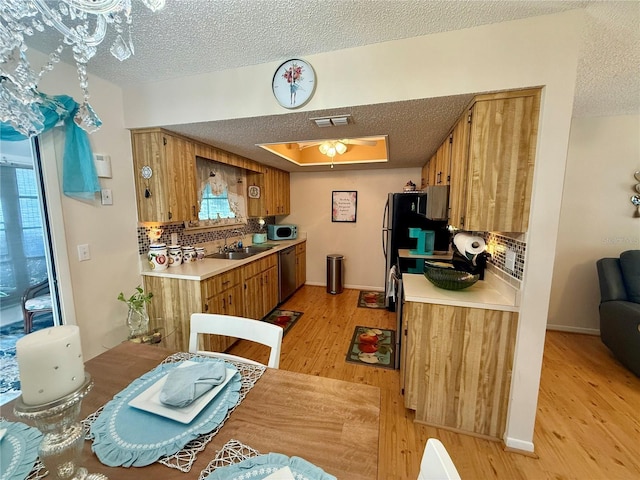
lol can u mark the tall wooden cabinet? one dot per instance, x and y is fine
(493, 176)
(456, 366)
(301, 264)
(274, 193)
(165, 177)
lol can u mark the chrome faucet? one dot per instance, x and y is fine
(233, 246)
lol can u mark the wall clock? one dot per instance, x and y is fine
(294, 83)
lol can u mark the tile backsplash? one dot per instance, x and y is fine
(191, 237)
(498, 244)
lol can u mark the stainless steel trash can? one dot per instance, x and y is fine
(334, 273)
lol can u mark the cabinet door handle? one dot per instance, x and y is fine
(170, 215)
(206, 307)
(230, 299)
(193, 208)
(224, 303)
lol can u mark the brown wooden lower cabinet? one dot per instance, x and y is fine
(456, 366)
(250, 291)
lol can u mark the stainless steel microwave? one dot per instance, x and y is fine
(282, 232)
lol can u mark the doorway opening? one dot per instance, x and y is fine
(26, 259)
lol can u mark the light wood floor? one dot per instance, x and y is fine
(588, 423)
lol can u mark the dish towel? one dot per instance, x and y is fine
(391, 284)
(184, 385)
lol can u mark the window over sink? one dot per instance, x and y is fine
(221, 195)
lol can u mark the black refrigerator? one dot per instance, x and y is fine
(402, 212)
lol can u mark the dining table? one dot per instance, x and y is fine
(333, 424)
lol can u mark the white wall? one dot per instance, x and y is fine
(110, 231)
(596, 220)
(360, 242)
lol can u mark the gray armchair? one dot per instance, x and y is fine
(620, 307)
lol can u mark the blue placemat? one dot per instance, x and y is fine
(18, 450)
(257, 468)
(125, 436)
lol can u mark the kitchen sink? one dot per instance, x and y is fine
(241, 253)
(231, 255)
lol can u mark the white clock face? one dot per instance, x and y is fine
(294, 83)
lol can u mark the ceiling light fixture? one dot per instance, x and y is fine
(332, 147)
(83, 23)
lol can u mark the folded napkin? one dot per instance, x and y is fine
(282, 474)
(184, 385)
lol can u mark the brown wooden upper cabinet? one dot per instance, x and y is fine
(493, 147)
(165, 177)
(274, 193)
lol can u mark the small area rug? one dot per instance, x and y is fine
(283, 318)
(9, 335)
(373, 347)
(371, 299)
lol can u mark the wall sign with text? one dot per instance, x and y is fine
(344, 206)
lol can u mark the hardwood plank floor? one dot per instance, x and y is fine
(588, 423)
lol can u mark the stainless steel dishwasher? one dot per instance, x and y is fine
(287, 272)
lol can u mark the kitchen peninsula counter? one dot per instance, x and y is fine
(209, 267)
(490, 294)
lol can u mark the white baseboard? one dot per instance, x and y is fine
(350, 287)
(518, 444)
(564, 328)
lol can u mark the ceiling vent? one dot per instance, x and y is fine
(334, 121)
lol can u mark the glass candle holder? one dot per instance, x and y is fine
(63, 434)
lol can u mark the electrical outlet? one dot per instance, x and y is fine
(84, 253)
(510, 260)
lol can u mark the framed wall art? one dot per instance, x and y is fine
(344, 205)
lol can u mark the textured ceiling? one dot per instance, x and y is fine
(191, 37)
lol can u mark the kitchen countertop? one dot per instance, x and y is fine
(406, 253)
(209, 267)
(492, 293)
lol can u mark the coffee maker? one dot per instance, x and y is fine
(469, 253)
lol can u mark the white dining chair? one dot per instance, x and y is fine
(436, 463)
(244, 328)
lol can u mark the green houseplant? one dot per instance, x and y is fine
(137, 318)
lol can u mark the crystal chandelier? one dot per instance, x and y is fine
(83, 25)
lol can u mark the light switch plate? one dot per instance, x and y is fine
(84, 253)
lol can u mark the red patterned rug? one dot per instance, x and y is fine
(373, 347)
(283, 318)
(371, 299)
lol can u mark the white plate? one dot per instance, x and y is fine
(149, 400)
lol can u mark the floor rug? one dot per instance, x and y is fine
(372, 346)
(9, 335)
(283, 318)
(371, 299)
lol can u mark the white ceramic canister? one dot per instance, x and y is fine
(188, 254)
(200, 251)
(175, 255)
(158, 256)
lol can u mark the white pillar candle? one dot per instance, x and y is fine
(50, 364)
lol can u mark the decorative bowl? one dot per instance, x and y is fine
(448, 277)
